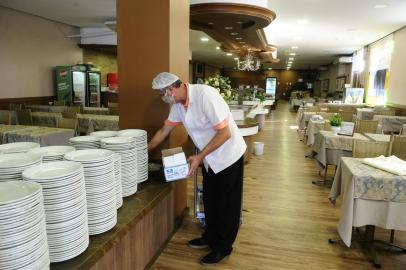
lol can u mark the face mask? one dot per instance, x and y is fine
(168, 99)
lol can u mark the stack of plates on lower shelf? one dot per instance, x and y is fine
(100, 187)
(13, 165)
(104, 134)
(63, 188)
(85, 142)
(18, 147)
(23, 233)
(124, 146)
(52, 153)
(141, 145)
(117, 175)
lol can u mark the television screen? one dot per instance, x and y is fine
(270, 87)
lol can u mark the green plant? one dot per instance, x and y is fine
(261, 96)
(336, 120)
(222, 84)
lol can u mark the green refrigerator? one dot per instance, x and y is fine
(71, 85)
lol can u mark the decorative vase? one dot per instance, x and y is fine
(335, 129)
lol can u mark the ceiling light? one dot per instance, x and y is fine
(228, 27)
(234, 33)
(240, 22)
(290, 62)
(241, 42)
(292, 53)
(302, 21)
(210, 23)
(238, 38)
(380, 6)
(269, 68)
(235, 58)
(295, 47)
(217, 48)
(204, 39)
(250, 62)
(291, 58)
(229, 54)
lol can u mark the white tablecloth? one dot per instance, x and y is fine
(313, 127)
(359, 212)
(388, 123)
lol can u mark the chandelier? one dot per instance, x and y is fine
(250, 62)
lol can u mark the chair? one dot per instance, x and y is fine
(59, 103)
(325, 115)
(69, 123)
(368, 149)
(327, 126)
(398, 146)
(15, 106)
(112, 104)
(74, 109)
(332, 109)
(69, 115)
(366, 126)
(114, 111)
(5, 118)
(24, 117)
(387, 112)
(348, 116)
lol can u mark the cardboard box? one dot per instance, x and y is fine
(175, 164)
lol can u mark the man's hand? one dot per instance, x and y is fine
(194, 162)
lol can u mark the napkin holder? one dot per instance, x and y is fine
(175, 164)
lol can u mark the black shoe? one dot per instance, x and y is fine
(213, 258)
(198, 243)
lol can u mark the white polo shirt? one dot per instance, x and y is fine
(204, 113)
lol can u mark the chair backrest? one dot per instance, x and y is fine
(327, 126)
(15, 106)
(347, 116)
(69, 123)
(112, 104)
(325, 115)
(5, 118)
(386, 112)
(368, 149)
(332, 109)
(59, 103)
(366, 126)
(398, 146)
(24, 117)
(114, 111)
(74, 109)
(70, 115)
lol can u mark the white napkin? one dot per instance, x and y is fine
(390, 164)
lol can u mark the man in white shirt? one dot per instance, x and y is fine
(208, 121)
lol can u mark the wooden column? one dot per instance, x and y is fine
(153, 36)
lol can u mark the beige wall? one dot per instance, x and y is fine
(29, 49)
(334, 71)
(397, 81)
(107, 62)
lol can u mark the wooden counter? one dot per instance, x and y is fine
(145, 222)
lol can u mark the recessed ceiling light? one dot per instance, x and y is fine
(238, 38)
(292, 53)
(210, 23)
(302, 21)
(241, 42)
(217, 48)
(269, 68)
(295, 47)
(204, 39)
(244, 46)
(228, 27)
(229, 54)
(291, 58)
(234, 33)
(240, 22)
(290, 62)
(380, 6)
(235, 58)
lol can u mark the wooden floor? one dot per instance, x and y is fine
(286, 219)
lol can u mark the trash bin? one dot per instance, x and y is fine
(258, 148)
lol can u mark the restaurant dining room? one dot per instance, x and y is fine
(218, 134)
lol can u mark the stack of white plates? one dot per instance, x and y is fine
(100, 187)
(52, 153)
(141, 145)
(84, 142)
(117, 175)
(104, 134)
(125, 146)
(18, 147)
(63, 188)
(13, 165)
(23, 233)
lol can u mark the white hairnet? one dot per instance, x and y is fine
(163, 79)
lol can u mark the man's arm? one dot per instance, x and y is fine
(160, 136)
(221, 137)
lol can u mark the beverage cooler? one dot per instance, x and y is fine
(78, 85)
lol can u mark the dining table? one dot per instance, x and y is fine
(303, 119)
(96, 110)
(313, 127)
(45, 119)
(390, 123)
(370, 196)
(88, 123)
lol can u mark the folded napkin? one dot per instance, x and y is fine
(390, 164)
(317, 117)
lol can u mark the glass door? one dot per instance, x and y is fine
(94, 89)
(79, 87)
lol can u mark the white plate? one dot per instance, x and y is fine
(50, 151)
(84, 139)
(89, 155)
(52, 170)
(104, 134)
(9, 161)
(18, 147)
(15, 191)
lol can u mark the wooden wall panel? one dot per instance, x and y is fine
(4, 102)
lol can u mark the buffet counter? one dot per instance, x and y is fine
(144, 224)
(248, 128)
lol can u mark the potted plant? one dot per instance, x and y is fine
(223, 85)
(335, 122)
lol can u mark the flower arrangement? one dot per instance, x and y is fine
(336, 120)
(222, 84)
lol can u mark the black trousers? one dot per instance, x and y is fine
(222, 194)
